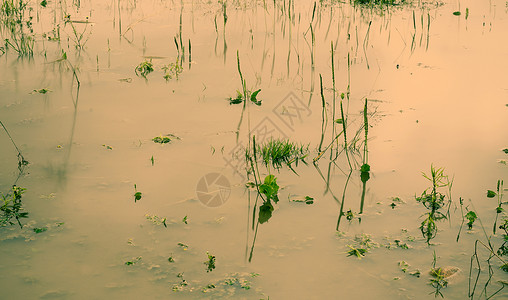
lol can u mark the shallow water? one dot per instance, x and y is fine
(439, 100)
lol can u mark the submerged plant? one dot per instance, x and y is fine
(434, 201)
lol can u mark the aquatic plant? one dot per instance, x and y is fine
(16, 20)
(499, 194)
(249, 95)
(79, 38)
(433, 200)
(164, 139)
(12, 207)
(172, 70)
(137, 195)
(276, 153)
(144, 68)
(210, 263)
(362, 244)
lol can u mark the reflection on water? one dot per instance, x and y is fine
(378, 93)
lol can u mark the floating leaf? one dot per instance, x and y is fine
(137, 196)
(491, 194)
(254, 99)
(39, 230)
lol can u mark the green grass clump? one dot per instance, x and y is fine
(281, 152)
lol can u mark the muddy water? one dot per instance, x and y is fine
(437, 95)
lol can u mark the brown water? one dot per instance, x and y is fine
(440, 99)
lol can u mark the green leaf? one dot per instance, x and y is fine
(137, 196)
(254, 95)
(44, 3)
(270, 188)
(39, 230)
(265, 212)
(505, 150)
(456, 13)
(491, 194)
(339, 121)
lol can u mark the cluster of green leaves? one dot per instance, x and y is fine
(182, 284)
(250, 95)
(270, 190)
(503, 249)
(362, 244)
(438, 281)
(172, 70)
(210, 263)
(471, 217)
(164, 139)
(11, 209)
(144, 68)
(433, 200)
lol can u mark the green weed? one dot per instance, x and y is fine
(11, 208)
(172, 70)
(137, 195)
(433, 200)
(210, 263)
(250, 95)
(164, 139)
(144, 68)
(281, 152)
